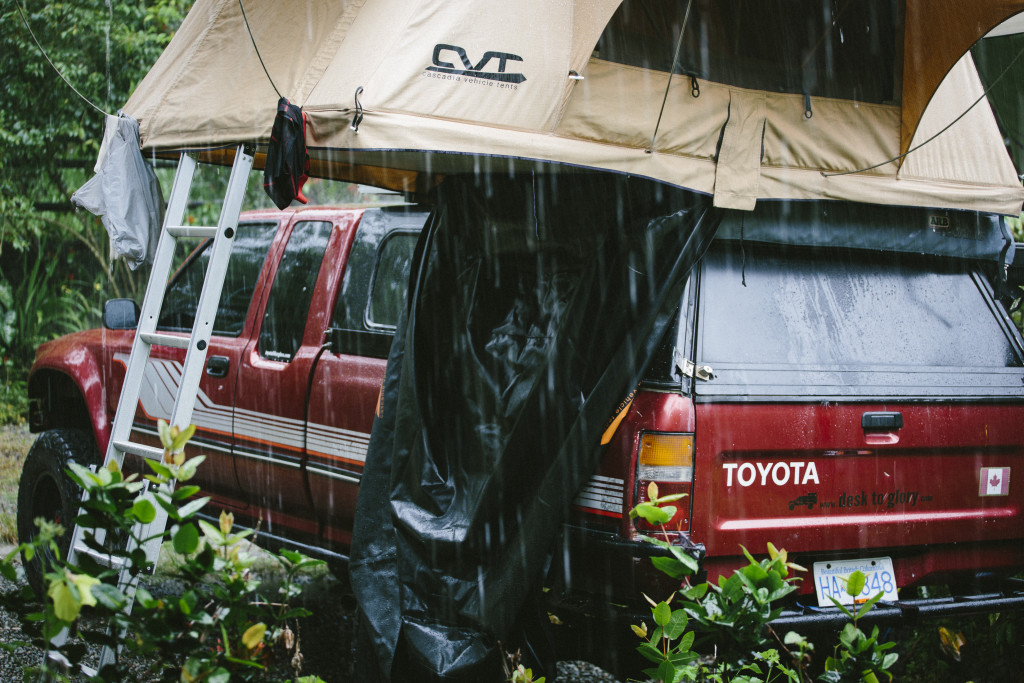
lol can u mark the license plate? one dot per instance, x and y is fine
(830, 580)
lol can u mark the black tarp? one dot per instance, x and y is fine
(536, 303)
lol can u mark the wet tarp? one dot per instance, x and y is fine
(535, 305)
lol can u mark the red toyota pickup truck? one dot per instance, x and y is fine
(857, 400)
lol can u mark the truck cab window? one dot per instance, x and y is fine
(288, 306)
(390, 279)
(248, 253)
(376, 279)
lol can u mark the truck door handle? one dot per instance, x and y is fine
(881, 421)
(217, 366)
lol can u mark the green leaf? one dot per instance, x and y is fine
(889, 660)
(160, 469)
(841, 606)
(653, 514)
(662, 613)
(164, 430)
(178, 442)
(219, 675)
(186, 540)
(183, 492)
(670, 566)
(855, 583)
(188, 468)
(849, 635)
(666, 671)
(696, 592)
(144, 511)
(866, 607)
(212, 532)
(684, 557)
(192, 507)
(655, 541)
(671, 498)
(109, 596)
(650, 652)
(70, 594)
(676, 624)
(686, 642)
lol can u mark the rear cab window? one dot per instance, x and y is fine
(774, 320)
(373, 288)
(788, 321)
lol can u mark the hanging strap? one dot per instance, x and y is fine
(738, 172)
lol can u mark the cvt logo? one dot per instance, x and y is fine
(441, 66)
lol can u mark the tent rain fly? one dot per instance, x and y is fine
(766, 100)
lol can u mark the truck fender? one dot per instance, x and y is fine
(65, 389)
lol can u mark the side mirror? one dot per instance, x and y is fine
(120, 314)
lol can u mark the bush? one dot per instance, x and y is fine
(221, 628)
(722, 632)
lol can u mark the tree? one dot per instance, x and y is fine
(49, 139)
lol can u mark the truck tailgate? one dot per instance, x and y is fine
(814, 479)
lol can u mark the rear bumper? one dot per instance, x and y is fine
(1007, 598)
(625, 559)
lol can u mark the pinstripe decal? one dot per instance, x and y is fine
(603, 495)
(330, 449)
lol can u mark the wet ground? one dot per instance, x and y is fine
(325, 639)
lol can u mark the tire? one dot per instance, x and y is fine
(45, 490)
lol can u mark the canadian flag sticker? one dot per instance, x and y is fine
(995, 481)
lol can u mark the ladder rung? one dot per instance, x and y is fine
(157, 338)
(101, 558)
(138, 449)
(201, 231)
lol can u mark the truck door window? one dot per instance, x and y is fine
(284, 320)
(249, 251)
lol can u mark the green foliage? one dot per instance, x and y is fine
(1017, 309)
(13, 393)
(858, 656)
(222, 627)
(39, 300)
(722, 632)
(38, 306)
(55, 264)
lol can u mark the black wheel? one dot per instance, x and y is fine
(46, 491)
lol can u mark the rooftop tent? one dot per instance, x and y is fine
(766, 99)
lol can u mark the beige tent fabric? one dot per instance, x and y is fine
(937, 34)
(443, 84)
(738, 171)
(963, 152)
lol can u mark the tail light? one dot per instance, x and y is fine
(667, 459)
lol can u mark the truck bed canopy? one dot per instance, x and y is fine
(740, 100)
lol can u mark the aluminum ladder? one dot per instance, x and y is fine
(147, 336)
